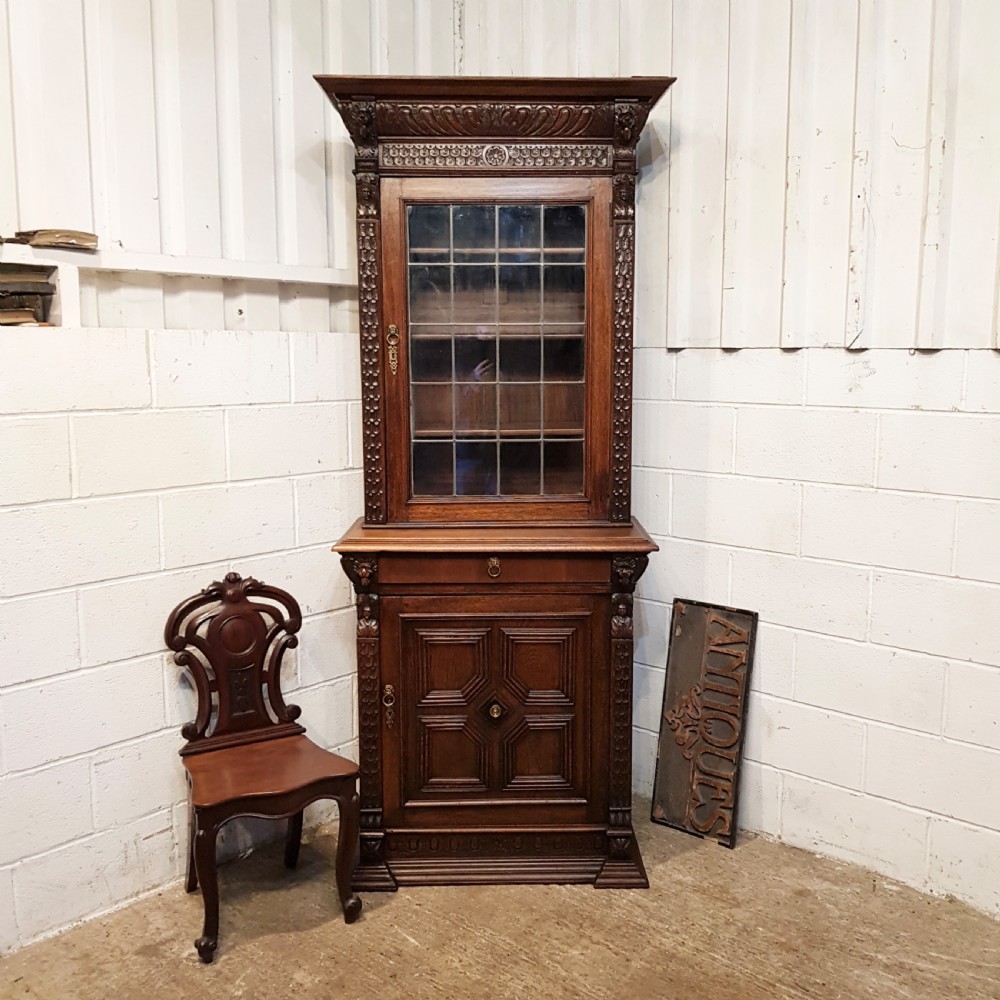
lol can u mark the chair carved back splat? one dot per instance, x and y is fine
(233, 647)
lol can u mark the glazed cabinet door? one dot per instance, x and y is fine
(495, 699)
(499, 337)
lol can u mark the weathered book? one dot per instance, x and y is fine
(704, 717)
(65, 239)
(18, 317)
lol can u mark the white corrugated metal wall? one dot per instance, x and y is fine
(825, 173)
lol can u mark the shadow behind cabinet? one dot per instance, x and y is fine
(496, 560)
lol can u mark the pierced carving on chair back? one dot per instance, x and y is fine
(233, 647)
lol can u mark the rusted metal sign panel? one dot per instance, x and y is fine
(704, 714)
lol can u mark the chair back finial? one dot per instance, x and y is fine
(233, 647)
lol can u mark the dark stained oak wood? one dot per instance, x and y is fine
(547, 538)
(500, 88)
(495, 633)
(246, 755)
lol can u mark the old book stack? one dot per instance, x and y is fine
(25, 294)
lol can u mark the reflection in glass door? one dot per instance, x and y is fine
(497, 349)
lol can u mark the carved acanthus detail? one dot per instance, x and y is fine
(494, 119)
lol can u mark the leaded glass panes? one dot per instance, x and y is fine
(497, 307)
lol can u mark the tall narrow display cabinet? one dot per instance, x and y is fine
(496, 560)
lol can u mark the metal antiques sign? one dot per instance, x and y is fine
(704, 713)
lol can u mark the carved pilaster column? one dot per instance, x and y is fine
(371, 872)
(624, 866)
(359, 116)
(629, 119)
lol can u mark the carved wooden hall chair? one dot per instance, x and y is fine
(246, 754)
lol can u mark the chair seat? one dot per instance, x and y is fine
(270, 767)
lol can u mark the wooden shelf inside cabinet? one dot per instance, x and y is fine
(497, 558)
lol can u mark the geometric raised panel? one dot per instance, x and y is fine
(452, 664)
(537, 664)
(537, 754)
(451, 755)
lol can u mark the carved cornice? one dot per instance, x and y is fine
(494, 119)
(495, 156)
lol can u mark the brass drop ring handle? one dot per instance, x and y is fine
(493, 567)
(392, 342)
(389, 700)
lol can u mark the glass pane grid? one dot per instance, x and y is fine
(497, 349)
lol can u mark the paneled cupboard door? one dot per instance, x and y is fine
(499, 336)
(491, 708)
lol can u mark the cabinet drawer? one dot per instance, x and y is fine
(493, 569)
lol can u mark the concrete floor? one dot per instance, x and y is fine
(763, 922)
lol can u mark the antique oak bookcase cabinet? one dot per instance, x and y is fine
(496, 560)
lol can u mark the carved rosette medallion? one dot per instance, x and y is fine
(494, 156)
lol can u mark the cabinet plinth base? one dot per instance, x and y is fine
(369, 877)
(496, 871)
(500, 858)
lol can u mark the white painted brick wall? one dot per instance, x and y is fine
(84, 369)
(885, 529)
(935, 453)
(977, 555)
(204, 525)
(868, 539)
(827, 446)
(158, 460)
(127, 452)
(845, 824)
(47, 477)
(57, 800)
(39, 637)
(83, 542)
(216, 367)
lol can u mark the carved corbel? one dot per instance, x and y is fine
(361, 570)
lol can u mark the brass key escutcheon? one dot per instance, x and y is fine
(392, 342)
(388, 701)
